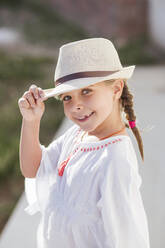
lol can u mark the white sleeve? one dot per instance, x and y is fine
(121, 206)
(37, 189)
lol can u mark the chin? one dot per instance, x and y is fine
(87, 129)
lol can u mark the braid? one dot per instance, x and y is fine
(127, 105)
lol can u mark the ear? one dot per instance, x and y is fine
(118, 88)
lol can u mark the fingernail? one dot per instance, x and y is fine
(42, 94)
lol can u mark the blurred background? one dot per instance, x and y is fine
(31, 32)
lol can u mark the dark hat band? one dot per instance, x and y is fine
(84, 74)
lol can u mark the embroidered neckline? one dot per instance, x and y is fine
(94, 146)
(88, 146)
(99, 142)
(91, 146)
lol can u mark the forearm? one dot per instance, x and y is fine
(30, 151)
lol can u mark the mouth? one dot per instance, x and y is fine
(85, 117)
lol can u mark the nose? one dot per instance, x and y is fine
(77, 106)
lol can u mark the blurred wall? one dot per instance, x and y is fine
(119, 19)
(157, 22)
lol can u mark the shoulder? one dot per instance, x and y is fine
(74, 129)
(123, 150)
(120, 148)
(123, 164)
(63, 138)
(71, 133)
(120, 155)
(67, 136)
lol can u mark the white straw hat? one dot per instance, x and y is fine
(85, 62)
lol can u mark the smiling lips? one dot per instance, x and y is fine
(84, 118)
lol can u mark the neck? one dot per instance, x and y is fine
(103, 132)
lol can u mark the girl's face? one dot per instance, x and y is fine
(92, 106)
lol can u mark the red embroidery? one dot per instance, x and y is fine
(64, 163)
(62, 167)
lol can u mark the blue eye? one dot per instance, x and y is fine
(86, 91)
(66, 98)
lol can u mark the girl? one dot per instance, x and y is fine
(86, 183)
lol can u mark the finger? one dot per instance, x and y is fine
(34, 90)
(40, 102)
(42, 94)
(30, 98)
(23, 103)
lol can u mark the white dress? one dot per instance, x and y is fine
(96, 202)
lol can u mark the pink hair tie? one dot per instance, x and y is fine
(132, 124)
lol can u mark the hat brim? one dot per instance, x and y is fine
(125, 73)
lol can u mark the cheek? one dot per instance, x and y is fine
(66, 110)
(90, 103)
(104, 104)
(105, 109)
